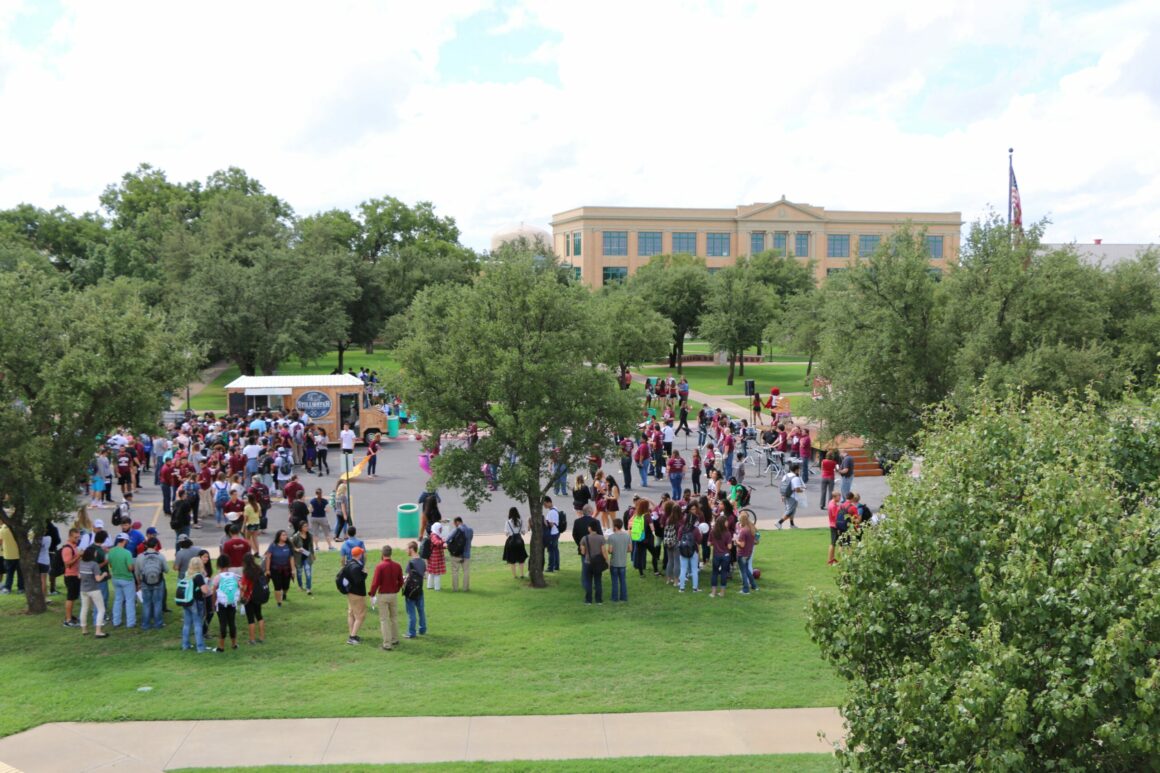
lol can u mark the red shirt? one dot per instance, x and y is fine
(805, 445)
(292, 490)
(236, 548)
(828, 467)
(388, 578)
(234, 506)
(676, 465)
(237, 463)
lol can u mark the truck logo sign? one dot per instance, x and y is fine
(314, 404)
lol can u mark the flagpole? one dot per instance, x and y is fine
(1010, 175)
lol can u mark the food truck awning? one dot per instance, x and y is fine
(254, 391)
(288, 383)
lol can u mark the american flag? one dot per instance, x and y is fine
(1016, 204)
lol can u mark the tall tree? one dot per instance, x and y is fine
(527, 371)
(787, 278)
(883, 349)
(632, 333)
(676, 287)
(1002, 621)
(1133, 322)
(108, 361)
(737, 312)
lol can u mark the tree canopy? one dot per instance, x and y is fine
(676, 286)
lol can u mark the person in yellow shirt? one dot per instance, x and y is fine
(11, 554)
(253, 516)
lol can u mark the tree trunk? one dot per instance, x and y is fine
(681, 356)
(673, 357)
(810, 365)
(536, 544)
(369, 348)
(732, 364)
(33, 594)
(759, 345)
(341, 354)
(742, 369)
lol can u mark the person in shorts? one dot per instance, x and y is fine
(70, 556)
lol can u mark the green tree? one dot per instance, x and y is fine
(1133, 315)
(738, 309)
(106, 361)
(788, 278)
(798, 326)
(67, 240)
(1006, 614)
(631, 332)
(527, 373)
(882, 345)
(676, 287)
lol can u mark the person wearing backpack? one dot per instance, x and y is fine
(150, 568)
(688, 540)
(792, 490)
(355, 580)
(413, 591)
(552, 535)
(284, 464)
(191, 591)
(459, 547)
(255, 591)
(226, 590)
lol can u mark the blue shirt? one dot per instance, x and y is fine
(258, 424)
(469, 533)
(350, 544)
(135, 539)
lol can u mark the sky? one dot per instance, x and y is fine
(501, 112)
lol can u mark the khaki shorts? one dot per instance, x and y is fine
(320, 527)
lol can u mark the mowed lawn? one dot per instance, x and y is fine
(712, 379)
(770, 353)
(213, 397)
(769, 763)
(503, 649)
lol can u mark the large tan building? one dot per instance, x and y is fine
(608, 244)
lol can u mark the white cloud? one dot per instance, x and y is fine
(877, 106)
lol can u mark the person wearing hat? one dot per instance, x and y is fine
(354, 573)
(136, 538)
(124, 582)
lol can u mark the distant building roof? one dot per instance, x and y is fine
(293, 382)
(1100, 253)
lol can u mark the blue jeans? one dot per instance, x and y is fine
(552, 543)
(560, 486)
(619, 587)
(626, 471)
(125, 597)
(720, 571)
(12, 571)
(303, 567)
(727, 465)
(193, 619)
(151, 598)
(846, 483)
(588, 579)
(745, 565)
(702, 434)
(689, 567)
(658, 463)
(805, 468)
(675, 480)
(416, 609)
(219, 514)
(643, 467)
(166, 498)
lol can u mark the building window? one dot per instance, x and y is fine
(838, 246)
(684, 244)
(614, 274)
(648, 243)
(717, 245)
(801, 245)
(616, 243)
(567, 246)
(934, 246)
(756, 242)
(779, 240)
(576, 273)
(868, 245)
(576, 243)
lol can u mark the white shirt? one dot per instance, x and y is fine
(553, 517)
(347, 436)
(667, 433)
(795, 483)
(252, 451)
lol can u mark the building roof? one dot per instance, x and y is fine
(292, 382)
(759, 211)
(1103, 254)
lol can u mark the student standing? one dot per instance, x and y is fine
(226, 589)
(552, 535)
(354, 573)
(462, 546)
(319, 526)
(437, 563)
(193, 610)
(515, 553)
(303, 544)
(255, 592)
(720, 539)
(595, 552)
(91, 576)
(124, 583)
(385, 587)
(416, 612)
(279, 564)
(618, 546)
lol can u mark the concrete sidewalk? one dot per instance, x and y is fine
(143, 747)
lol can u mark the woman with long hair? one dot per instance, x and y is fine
(83, 524)
(515, 553)
(581, 495)
(341, 510)
(91, 575)
(743, 541)
(320, 441)
(255, 593)
(253, 518)
(279, 564)
(611, 502)
(638, 529)
(720, 539)
(671, 521)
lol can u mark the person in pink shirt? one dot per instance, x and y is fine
(805, 451)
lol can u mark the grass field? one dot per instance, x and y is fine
(711, 379)
(503, 649)
(770, 353)
(771, 763)
(213, 397)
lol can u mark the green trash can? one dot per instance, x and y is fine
(392, 426)
(408, 520)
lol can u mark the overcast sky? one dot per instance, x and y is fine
(501, 112)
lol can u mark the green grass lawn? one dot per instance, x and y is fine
(503, 649)
(770, 353)
(711, 379)
(770, 763)
(213, 397)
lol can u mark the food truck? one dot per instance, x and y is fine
(329, 401)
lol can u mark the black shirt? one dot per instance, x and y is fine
(580, 528)
(356, 578)
(299, 512)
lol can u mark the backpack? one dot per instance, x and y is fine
(413, 587)
(458, 543)
(563, 524)
(637, 531)
(743, 496)
(425, 548)
(261, 593)
(341, 582)
(786, 488)
(285, 468)
(670, 535)
(687, 544)
(184, 594)
(842, 524)
(151, 569)
(228, 587)
(121, 515)
(222, 496)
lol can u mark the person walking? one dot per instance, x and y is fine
(279, 565)
(437, 563)
(618, 547)
(385, 587)
(806, 452)
(341, 509)
(255, 591)
(416, 610)
(151, 568)
(355, 576)
(793, 492)
(595, 552)
(625, 447)
(303, 544)
(91, 576)
(320, 448)
(124, 583)
(319, 526)
(372, 457)
(515, 553)
(721, 540)
(459, 547)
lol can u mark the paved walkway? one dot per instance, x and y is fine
(205, 379)
(148, 747)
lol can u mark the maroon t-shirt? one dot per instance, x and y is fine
(236, 548)
(676, 465)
